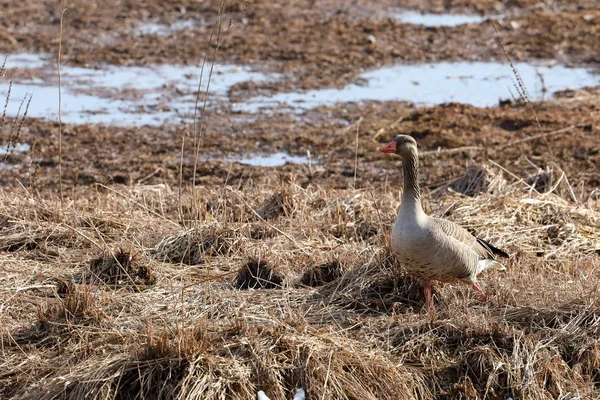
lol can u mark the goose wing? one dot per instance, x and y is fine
(480, 246)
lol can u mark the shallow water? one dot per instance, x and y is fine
(267, 160)
(99, 96)
(25, 61)
(433, 20)
(481, 84)
(136, 96)
(155, 28)
(19, 148)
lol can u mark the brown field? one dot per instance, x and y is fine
(121, 279)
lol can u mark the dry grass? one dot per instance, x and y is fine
(341, 320)
(322, 273)
(121, 268)
(479, 179)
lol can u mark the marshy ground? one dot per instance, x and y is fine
(140, 284)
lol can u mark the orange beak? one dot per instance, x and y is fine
(389, 148)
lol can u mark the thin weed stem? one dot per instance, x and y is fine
(60, 125)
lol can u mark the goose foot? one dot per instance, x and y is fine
(479, 292)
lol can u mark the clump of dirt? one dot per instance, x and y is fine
(256, 274)
(322, 274)
(120, 268)
(193, 245)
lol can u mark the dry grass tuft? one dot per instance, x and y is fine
(280, 203)
(275, 360)
(256, 274)
(65, 287)
(321, 274)
(542, 181)
(489, 359)
(227, 206)
(376, 285)
(260, 231)
(18, 236)
(192, 246)
(479, 178)
(79, 306)
(60, 319)
(120, 268)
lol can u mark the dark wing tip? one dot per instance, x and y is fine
(493, 249)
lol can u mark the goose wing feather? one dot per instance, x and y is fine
(462, 235)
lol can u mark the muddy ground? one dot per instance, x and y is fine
(315, 46)
(108, 155)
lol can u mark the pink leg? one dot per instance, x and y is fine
(477, 288)
(427, 291)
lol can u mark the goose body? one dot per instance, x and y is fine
(437, 249)
(433, 248)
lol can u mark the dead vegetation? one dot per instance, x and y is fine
(339, 319)
(479, 179)
(192, 246)
(323, 273)
(256, 274)
(120, 268)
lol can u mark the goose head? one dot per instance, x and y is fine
(403, 145)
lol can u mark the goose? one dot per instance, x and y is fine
(433, 248)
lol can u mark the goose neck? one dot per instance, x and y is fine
(411, 193)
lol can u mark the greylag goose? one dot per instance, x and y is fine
(433, 248)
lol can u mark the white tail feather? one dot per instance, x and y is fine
(486, 264)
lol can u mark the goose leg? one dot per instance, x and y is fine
(479, 292)
(427, 291)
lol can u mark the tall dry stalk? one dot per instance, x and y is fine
(221, 35)
(356, 152)
(60, 149)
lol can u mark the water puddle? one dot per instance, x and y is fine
(155, 28)
(268, 160)
(19, 148)
(24, 61)
(119, 95)
(165, 94)
(435, 20)
(481, 84)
